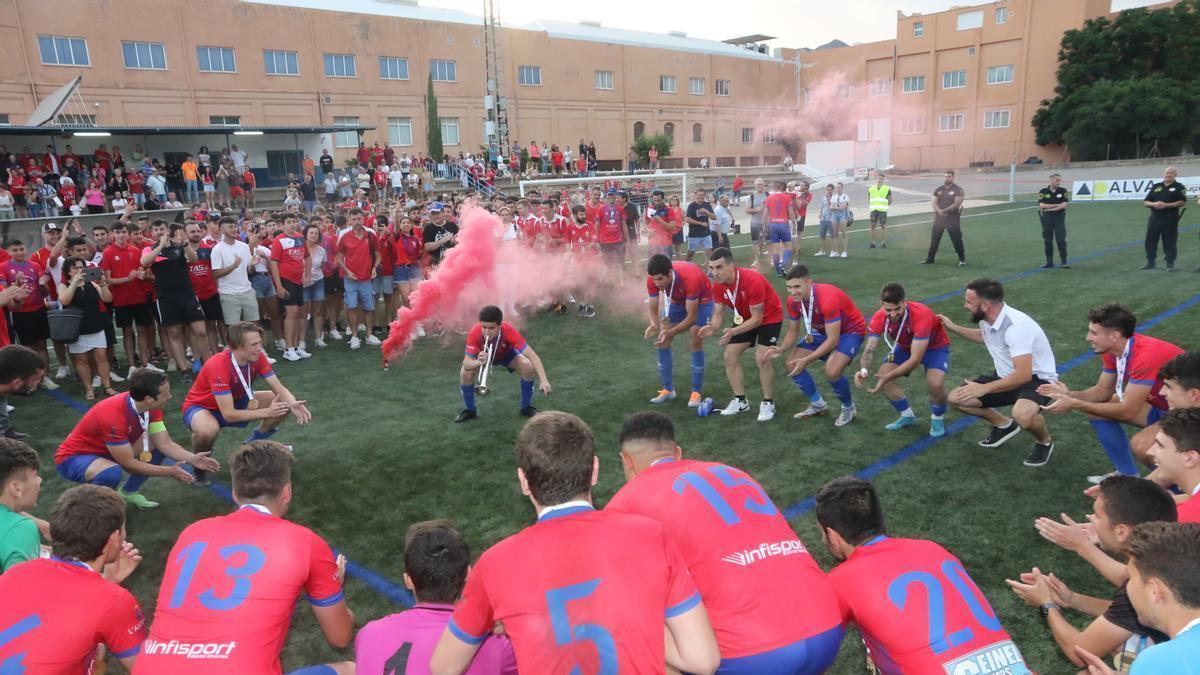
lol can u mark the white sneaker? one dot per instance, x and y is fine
(818, 254)
(63, 371)
(291, 355)
(335, 334)
(320, 342)
(303, 354)
(8, 408)
(844, 254)
(281, 345)
(847, 415)
(131, 369)
(48, 383)
(736, 405)
(95, 381)
(766, 411)
(154, 368)
(355, 343)
(373, 341)
(171, 367)
(1096, 480)
(115, 376)
(362, 328)
(420, 331)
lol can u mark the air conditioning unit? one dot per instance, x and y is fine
(329, 99)
(488, 101)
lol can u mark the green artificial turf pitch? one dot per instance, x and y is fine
(382, 452)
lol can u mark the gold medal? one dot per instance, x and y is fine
(890, 358)
(737, 319)
(252, 404)
(808, 338)
(145, 456)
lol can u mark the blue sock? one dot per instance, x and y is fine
(526, 393)
(665, 365)
(806, 384)
(260, 435)
(134, 483)
(841, 389)
(468, 393)
(697, 370)
(787, 257)
(901, 405)
(110, 477)
(938, 410)
(1116, 445)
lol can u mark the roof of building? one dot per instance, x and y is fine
(399, 10)
(6, 130)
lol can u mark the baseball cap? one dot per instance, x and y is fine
(436, 206)
(50, 226)
(612, 192)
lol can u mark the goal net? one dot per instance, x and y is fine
(639, 186)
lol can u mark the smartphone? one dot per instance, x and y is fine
(93, 274)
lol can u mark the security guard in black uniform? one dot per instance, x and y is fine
(1052, 207)
(947, 204)
(1165, 200)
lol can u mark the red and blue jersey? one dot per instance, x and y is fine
(688, 282)
(761, 587)
(54, 614)
(750, 288)
(511, 342)
(920, 323)
(111, 422)
(228, 593)
(831, 305)
(779, 206)
(1146, 356)
(919, 612)
(218, 378)
(580, 590)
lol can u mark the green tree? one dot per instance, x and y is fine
(661, 142)
(433, 129)
(1126, 84)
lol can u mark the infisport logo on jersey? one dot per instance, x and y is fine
(1131, 189)
(765, 550)
(189, 650)
(1000, 658)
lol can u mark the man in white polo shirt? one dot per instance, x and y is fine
(1023, 361)
(230, 267)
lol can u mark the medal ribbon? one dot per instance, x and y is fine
(1122, 363)
(892, 345)
(244, 379)
(807, 311)
(732, 297)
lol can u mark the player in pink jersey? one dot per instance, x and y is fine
(772, 609)
(833, 332)
(581, 590)
(508, 350)
(1129, 390)
(915, 606)
(914, 337)
(689, 308)
(436, 562)
(231, 582)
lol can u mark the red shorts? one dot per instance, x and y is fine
(236, 191)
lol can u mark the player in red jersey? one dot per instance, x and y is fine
(100, 449)
(508, 349)
(581, 242)
(688, 294)
(771, 606)
(132, 306)
(56, 610)
(1181, 381)
(222, 395)
(610, 231)
(205, 285)
(581, 590)
(1176, 454)
(1129, 390)
(232, 582)
(757, 316)
(778, 223)
(914, 337)
(553, 228)
(527, 223)
(833, 332)
(289, 267)
(917, 609)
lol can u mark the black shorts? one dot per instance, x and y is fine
(295, 294)
(613, 254)
(178, 309)
(766, 335)
(141, 314)
(800, 224)
(212, 308)
(755, 231)
(1001, 399)
(879, 217)
(631, 232)
(31, 328)
(110, 334)
(334, 285)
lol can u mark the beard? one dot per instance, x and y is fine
(978, 315)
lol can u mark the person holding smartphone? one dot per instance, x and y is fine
(86, 289)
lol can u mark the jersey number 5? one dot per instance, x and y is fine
(953, 571)
(254, 559)
(565, 633)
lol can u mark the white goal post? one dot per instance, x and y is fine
(667, 181)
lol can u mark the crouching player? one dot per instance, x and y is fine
(494, 342)
(689, 296)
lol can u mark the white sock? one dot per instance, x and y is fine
(907, 412)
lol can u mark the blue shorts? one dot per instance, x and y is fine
(825, 229)
(700, 243)
(262, 285)
(383, 284)
(813, 655)
(1154, 415)
(74, 468)
(838, 216)
(848, 344)
(240, 404)
(360, 294)
(780, 233)
(704, 311)
(403, 274)
(316, 292)
(935, 359)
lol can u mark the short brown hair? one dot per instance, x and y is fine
(237, 332)
(1168, 552)
(436, 558)
(14, 456)
(260, 470)
(556, 450)
(83, 519)
(1182, 425)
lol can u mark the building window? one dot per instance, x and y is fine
(723, 87)
(697, 133)
(880, 88)
(63, 51)
(999, 74)
(1001, 15)
(449, 130)
(954, 79)
(340, 65)
(747, 135)
(913, 84)
(278, 62)
(225, 120)
(997, 119)
(144, 55)
(4, 121)
(808, 95)
(75, 120)
(280, 163)
(696, 86)
(955, 122)
(400, 130)
(443, 71)
(912, 125)
(768, 136)
(393, 68)
(345, 139)
(918, 28)
(216, 59)
(604, 79)
(845, 91)
(669, 129)
(529, 76)
(666, 84)
(639, 128)
(970, 20)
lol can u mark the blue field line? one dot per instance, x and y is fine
(917, 447)
(376, 581)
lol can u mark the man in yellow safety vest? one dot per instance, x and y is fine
(880, 196)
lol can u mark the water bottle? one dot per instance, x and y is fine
(706, 407)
